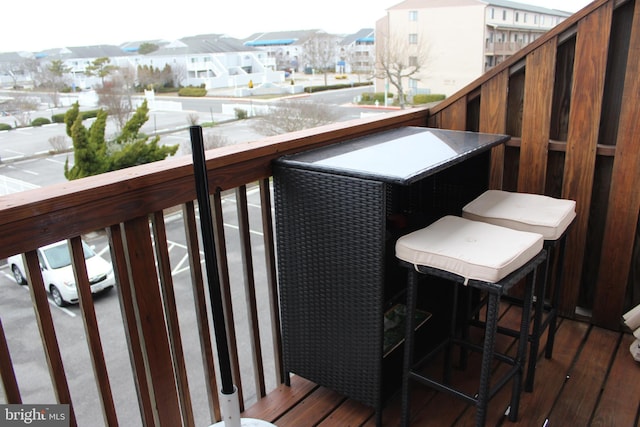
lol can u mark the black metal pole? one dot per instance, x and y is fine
(211, 262)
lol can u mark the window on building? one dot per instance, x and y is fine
(413, 38)
(535, 19)
(413, 85)
(504, 15)
(493, 13)
(524, 17)
(413, 15)
(517, 16)
(413, 61)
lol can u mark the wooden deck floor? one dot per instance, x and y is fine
(592, 380)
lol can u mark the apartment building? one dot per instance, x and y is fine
(455, 41)
(357, 53)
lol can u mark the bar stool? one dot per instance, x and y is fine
(479, 255)
(539, 214)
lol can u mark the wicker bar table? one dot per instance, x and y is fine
(339, 210)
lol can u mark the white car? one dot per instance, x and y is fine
(57, 273)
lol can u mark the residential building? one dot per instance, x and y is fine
(16, 69)
(357, 53)
(78, 58)
(212, 60)
(293, 50)
(459, 40)
(283, 47)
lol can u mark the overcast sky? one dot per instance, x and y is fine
(43, 24)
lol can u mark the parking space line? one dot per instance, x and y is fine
(51, 303)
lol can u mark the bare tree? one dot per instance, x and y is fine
(291, 116)
(320, 53)
(20, 106)
(193, 119)
(399, 58)
(32, 68)
(16, 70)
(115, 96)
(58, 143)
(179, 71)
(55, 77)
(210, 141)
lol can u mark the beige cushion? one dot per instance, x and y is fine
(523, 211)
(471, 249)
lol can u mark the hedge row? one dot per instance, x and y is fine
(371, 98)
(59, 118)
(312, 89)
(192, 91)
(425, 99)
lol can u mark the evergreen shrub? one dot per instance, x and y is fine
(426, 98)
(39, 121)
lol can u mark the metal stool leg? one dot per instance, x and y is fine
(487, 358)
(446, 378)
(555, 299)
(522, 345)
(540, 292)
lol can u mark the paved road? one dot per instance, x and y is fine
(25, 152)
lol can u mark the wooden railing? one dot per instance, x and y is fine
(570, 102)
(132, 206)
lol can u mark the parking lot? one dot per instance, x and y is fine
(20, 325)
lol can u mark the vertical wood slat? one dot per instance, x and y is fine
(536, 117)
(454, 117)
(250, 290)
(173, 328)
(493, 119)
(202, 316)
(7, 374)
(126, 298)
(150, 314)
(92, 332)
(624, 197)
(48, 332)
(584, 120)
(272, 281)
(225, 289)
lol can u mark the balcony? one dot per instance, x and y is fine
(570, 103)
(503, 48)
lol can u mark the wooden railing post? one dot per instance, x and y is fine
(590, 67)
(152, 324)
(624, 197)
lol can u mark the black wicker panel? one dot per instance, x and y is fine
(330, 241)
